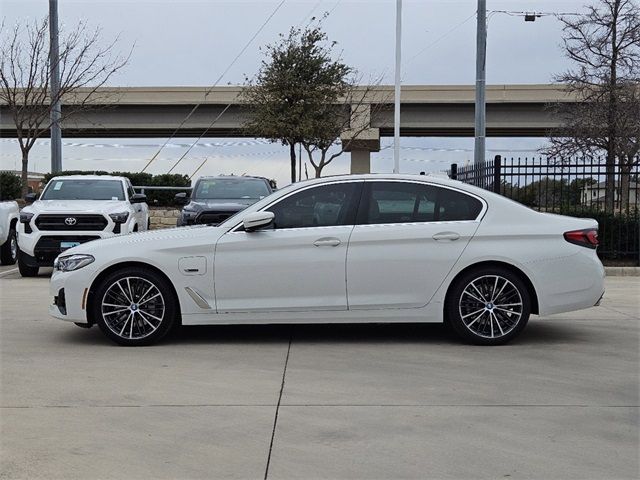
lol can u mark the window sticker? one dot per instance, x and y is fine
(57, 186)
(114, 198)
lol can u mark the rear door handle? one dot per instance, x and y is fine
(446, 236)
(327, 242)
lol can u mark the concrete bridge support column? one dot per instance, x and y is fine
(360, 140)
(360, 161)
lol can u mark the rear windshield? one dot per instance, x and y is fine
(64, 189)
(225, 188)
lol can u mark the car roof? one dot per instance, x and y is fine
(88, 177)
(439, 178)
(234, 177)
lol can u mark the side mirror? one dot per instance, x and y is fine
(138, 198)
(181, 198)
(30, 197)
(257, 220)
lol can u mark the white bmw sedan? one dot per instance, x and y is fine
(360, 248)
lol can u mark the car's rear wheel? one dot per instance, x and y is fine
(488, 306)
(135, 306)
(9, 249)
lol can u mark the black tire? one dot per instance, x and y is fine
(9, 249)
(488, 320)
(138, 321)
(26, 270)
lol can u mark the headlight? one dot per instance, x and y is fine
(119, 217)
(189, 216)
(70, 263)
(25, 217)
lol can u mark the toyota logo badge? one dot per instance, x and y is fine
(70, 221)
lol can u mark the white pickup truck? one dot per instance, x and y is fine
(9, 212)
(76, 209)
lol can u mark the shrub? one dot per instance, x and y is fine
(165, 197)
(10, 186)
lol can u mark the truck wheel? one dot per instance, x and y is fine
(26, 270)
(9, 249)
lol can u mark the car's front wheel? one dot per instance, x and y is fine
(135, 306)
(488, 306)
(26, 269)
(9, 249)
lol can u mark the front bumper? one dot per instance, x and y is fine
(205, 217)
(74, 288)
(41, 249)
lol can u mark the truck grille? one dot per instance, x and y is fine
(83, 221)
(48, 247)
(212, 218)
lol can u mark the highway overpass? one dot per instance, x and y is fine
(426, 110)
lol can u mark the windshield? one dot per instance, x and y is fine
(65, 189)
(225, 188)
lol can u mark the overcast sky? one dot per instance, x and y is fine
(193, 42)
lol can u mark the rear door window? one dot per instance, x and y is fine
(407, 202)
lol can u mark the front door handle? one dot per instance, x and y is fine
(327, 242)
(446, 236)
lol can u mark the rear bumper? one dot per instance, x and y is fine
(570, 283)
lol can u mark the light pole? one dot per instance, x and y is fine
(481, 63)
(54, 61)
(396, 111)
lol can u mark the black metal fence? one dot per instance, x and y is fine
(579, 188)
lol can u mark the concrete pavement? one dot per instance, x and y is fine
(358, 401)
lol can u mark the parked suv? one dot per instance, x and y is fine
(214, 199)
(74, 210)
(9, 212)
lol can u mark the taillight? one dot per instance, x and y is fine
(585, 238)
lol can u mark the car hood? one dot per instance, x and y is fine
(221, 205)
(143, 244)
(77, 206)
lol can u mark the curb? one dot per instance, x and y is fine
(622, 271)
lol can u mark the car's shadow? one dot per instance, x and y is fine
(548, 333)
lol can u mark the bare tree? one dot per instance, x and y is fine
(604, 45)
(25, 77)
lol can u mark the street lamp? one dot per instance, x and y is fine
(481, 64)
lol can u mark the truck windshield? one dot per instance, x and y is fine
(64, 189)
(228, 188)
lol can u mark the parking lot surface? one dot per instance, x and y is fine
(352, 401)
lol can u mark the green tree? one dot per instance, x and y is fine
(298, 96)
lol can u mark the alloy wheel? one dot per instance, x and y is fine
(133, 308)
(490, 306)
